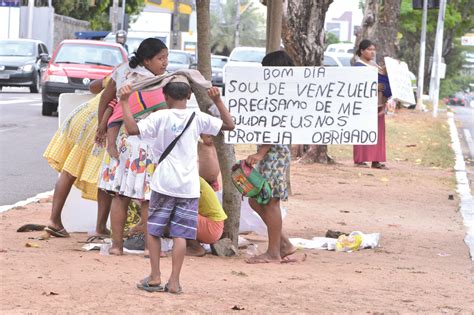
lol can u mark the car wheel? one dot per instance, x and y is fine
(48, 109)
(36, 86)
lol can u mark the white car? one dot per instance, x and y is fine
(337, 59)
(244, 57)
(340, 48)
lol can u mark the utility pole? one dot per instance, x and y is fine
(175, 42)
(274, 18)
(237, 25)
(437, 54)
(31, 5)
(114, 21)
(421, 66)
(123, 15)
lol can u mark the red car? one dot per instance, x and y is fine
(75, 63)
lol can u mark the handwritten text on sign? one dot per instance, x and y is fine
(302, 105)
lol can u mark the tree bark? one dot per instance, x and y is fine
(304, 36)
(380, 25)
(231, 199)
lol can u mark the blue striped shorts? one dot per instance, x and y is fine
(179, 214)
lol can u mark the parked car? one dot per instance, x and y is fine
(21, 63)
(244, 57)
(217, 64)
(180, 59)
(337, 59)
(340, 48)
(458, 98)
(75, 63)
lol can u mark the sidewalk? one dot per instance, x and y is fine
(422, 264)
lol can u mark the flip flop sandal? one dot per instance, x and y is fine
(56, 232)
(146, 286)
(167, 289)
(96, 239)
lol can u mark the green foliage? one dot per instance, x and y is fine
(97, 14)
(252, 27)
(330, 39)
(458, 21)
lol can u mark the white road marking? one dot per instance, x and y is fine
(8, 129)
(6, 102)
(36, 104)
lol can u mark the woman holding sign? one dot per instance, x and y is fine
(373, 153)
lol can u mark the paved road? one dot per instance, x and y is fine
(24, 134)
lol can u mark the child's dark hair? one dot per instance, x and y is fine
(364, 44)
(148, 49)
(277, 58)
(177, 90)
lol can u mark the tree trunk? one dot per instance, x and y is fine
(274, 20)
(380, 25)
(231, 198)
(303, 36)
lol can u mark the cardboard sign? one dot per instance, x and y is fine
(302, 105)
(400, 82)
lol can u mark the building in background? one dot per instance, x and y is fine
(178, 25)
(343, 19)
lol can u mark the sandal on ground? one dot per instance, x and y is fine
(179, 291)
(146, 286)
(56, 232)
(361, 164)
(96, 238)
(379, 166)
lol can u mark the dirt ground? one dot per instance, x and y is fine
(422, 264)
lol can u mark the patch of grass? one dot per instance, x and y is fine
(414, 137)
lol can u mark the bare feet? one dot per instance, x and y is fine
(193, 248)
(286, 249)
(116, 249)
(173, 287)
(263, 259)
(112, 150)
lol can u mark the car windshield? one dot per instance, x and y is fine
(16, 48)
(217, 62)
(176, 57)
(248, 55)
(89, 54)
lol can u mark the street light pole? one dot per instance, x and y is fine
(421, 66)
(123, 14)
(437, 57)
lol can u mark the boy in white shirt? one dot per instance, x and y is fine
(175, 184)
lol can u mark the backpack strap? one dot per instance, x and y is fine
(173, 143)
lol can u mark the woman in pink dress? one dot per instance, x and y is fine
(375, 153)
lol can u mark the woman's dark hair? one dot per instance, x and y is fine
(364, 44)
(177, 90)
(148, 49)
(277, 58)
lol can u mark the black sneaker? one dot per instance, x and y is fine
(135, 244)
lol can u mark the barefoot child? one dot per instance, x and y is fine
(175, 183)
(208, 162)
(273, 161)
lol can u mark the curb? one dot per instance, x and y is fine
(27, 201)
(466, 206)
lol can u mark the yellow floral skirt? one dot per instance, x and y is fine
(73, 148)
